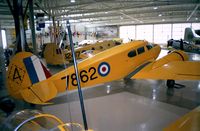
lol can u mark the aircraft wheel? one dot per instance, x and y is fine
(170, 83)
(7, 105)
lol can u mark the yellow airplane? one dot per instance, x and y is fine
(55, 56)
(189, 122)
(99, 46)
(29, 80)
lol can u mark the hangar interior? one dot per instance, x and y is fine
(123, 104)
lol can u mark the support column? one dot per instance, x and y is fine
(32, 26)
(54, 29)
(153, 34)
(21, 24)
(17, 26)
(85, 30)
(171, 30)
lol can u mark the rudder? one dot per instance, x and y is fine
(27, 79)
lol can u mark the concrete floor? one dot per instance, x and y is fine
(133, 105)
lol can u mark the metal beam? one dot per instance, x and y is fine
(197, 6)
(32, 26)
(131, 8)
(21, 24)
(42, 9)
(17, 26)
(10, 7)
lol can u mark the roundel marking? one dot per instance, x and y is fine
(103, 69)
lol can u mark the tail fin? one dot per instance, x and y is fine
(189, 34)
(53, 54)
(24, 73)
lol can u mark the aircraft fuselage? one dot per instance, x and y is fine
(112, 64)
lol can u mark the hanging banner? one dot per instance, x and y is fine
(40, 20)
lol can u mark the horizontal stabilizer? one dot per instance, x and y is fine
(39, 93)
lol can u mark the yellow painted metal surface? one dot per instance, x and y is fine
(99, 46)
(17, 78)
(173, 66)
(113, 64)
(189, 122)
(20, 86)
(88, 54)
(39, 93)
(54, 55)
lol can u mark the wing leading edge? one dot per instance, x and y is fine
(173, 66)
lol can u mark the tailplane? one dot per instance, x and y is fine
(191, 36)
(24, 73)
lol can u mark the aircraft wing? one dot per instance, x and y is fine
(189, 122)
(176, 70)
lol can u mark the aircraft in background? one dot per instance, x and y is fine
(192, 36)
(53, 54)
(29, 80)
(186, 46)
(99, 46)
(190, 42)
(56, 56)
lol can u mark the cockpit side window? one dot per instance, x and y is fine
(132, 53)
(140, 50)
(149, 46)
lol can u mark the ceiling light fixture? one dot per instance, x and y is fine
(196, 18)
(106, 12)
(155, 8)
(163, 19)
(160, 15)
(72, 1)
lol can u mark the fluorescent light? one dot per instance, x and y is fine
(160, 15)
(4, 41)
(106, 12)
(155, 8)
(72, 1)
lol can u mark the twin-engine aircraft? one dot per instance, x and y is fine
(56, 56)
(28, 79)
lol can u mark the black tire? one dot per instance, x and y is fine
(170, 83)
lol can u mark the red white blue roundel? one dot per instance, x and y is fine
(103, 69)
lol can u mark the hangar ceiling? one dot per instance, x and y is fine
(112, 12)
